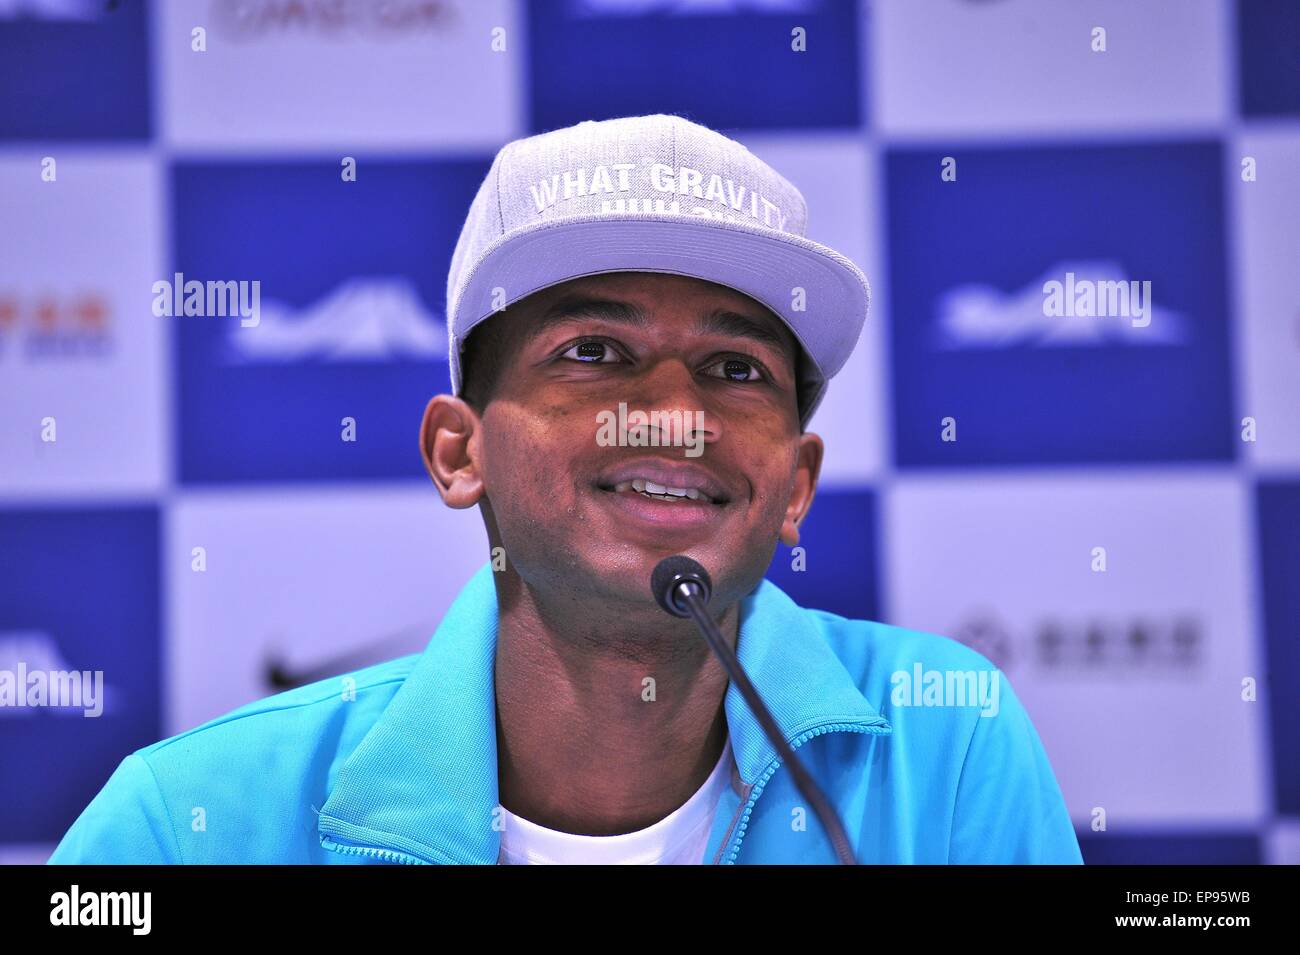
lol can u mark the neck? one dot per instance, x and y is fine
(609, 716)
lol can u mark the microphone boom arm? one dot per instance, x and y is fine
(686, 594)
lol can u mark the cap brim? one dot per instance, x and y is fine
(766, 265)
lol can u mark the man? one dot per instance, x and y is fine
(639, 334)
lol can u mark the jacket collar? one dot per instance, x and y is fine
(424, 778)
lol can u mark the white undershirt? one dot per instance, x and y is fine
(677, 839)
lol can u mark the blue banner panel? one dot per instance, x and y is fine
(839, 561)
(350, 320)
(734, 69)
(1278, 511)
(1059, 305)
(77, 69)
(1268, 41)
(1182, 847)
(80, 681)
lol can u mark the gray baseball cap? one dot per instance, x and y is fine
(654, 193)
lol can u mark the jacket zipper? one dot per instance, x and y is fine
(772, 767)
(385, 855)
(402, 858)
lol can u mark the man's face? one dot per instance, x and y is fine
(559, 471)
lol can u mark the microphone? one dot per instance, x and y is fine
(682, 587)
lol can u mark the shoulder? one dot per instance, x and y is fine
(946, 702)
(873, 650)
(959, 725)
(255, 770)
(320, 712)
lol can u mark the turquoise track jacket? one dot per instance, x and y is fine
(397, 763)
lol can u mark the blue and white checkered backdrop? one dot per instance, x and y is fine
(964, 152)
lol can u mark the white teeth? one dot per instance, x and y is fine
(651, 489)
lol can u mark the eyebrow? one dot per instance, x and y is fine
(719, 321)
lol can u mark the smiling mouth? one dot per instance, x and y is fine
(660, 492)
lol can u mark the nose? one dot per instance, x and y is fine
(675, 404)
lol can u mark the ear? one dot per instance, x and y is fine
(807, 470)
(451, 436)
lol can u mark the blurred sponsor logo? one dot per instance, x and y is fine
(50, 326)
(1168, 644)
(257, 19)
(364, 319)
(634, 8)
(981, 316)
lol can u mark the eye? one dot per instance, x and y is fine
(737, 369)
(592, 351)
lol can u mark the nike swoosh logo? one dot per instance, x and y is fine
(279, 675)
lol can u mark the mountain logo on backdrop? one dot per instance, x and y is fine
(1072, 304)
(363, 319)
